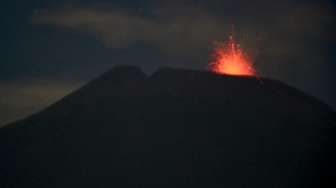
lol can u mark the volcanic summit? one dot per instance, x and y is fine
(175, 128)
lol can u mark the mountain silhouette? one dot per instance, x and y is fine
(175, 128)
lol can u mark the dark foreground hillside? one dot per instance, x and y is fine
(175, 128)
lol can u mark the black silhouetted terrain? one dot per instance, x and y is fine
(175, 128)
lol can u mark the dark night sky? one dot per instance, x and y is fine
(50, 48)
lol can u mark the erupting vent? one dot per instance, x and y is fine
(230, 59)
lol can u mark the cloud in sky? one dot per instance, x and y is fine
(196, 28)
(180, 29)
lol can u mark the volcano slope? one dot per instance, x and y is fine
(175, 128)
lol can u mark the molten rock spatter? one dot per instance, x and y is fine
(230, 59)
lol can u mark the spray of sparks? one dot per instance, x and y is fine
(230, 59)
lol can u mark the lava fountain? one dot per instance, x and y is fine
(230, 59)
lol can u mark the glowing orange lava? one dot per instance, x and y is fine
(230, 59)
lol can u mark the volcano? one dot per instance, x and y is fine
(175, 128)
